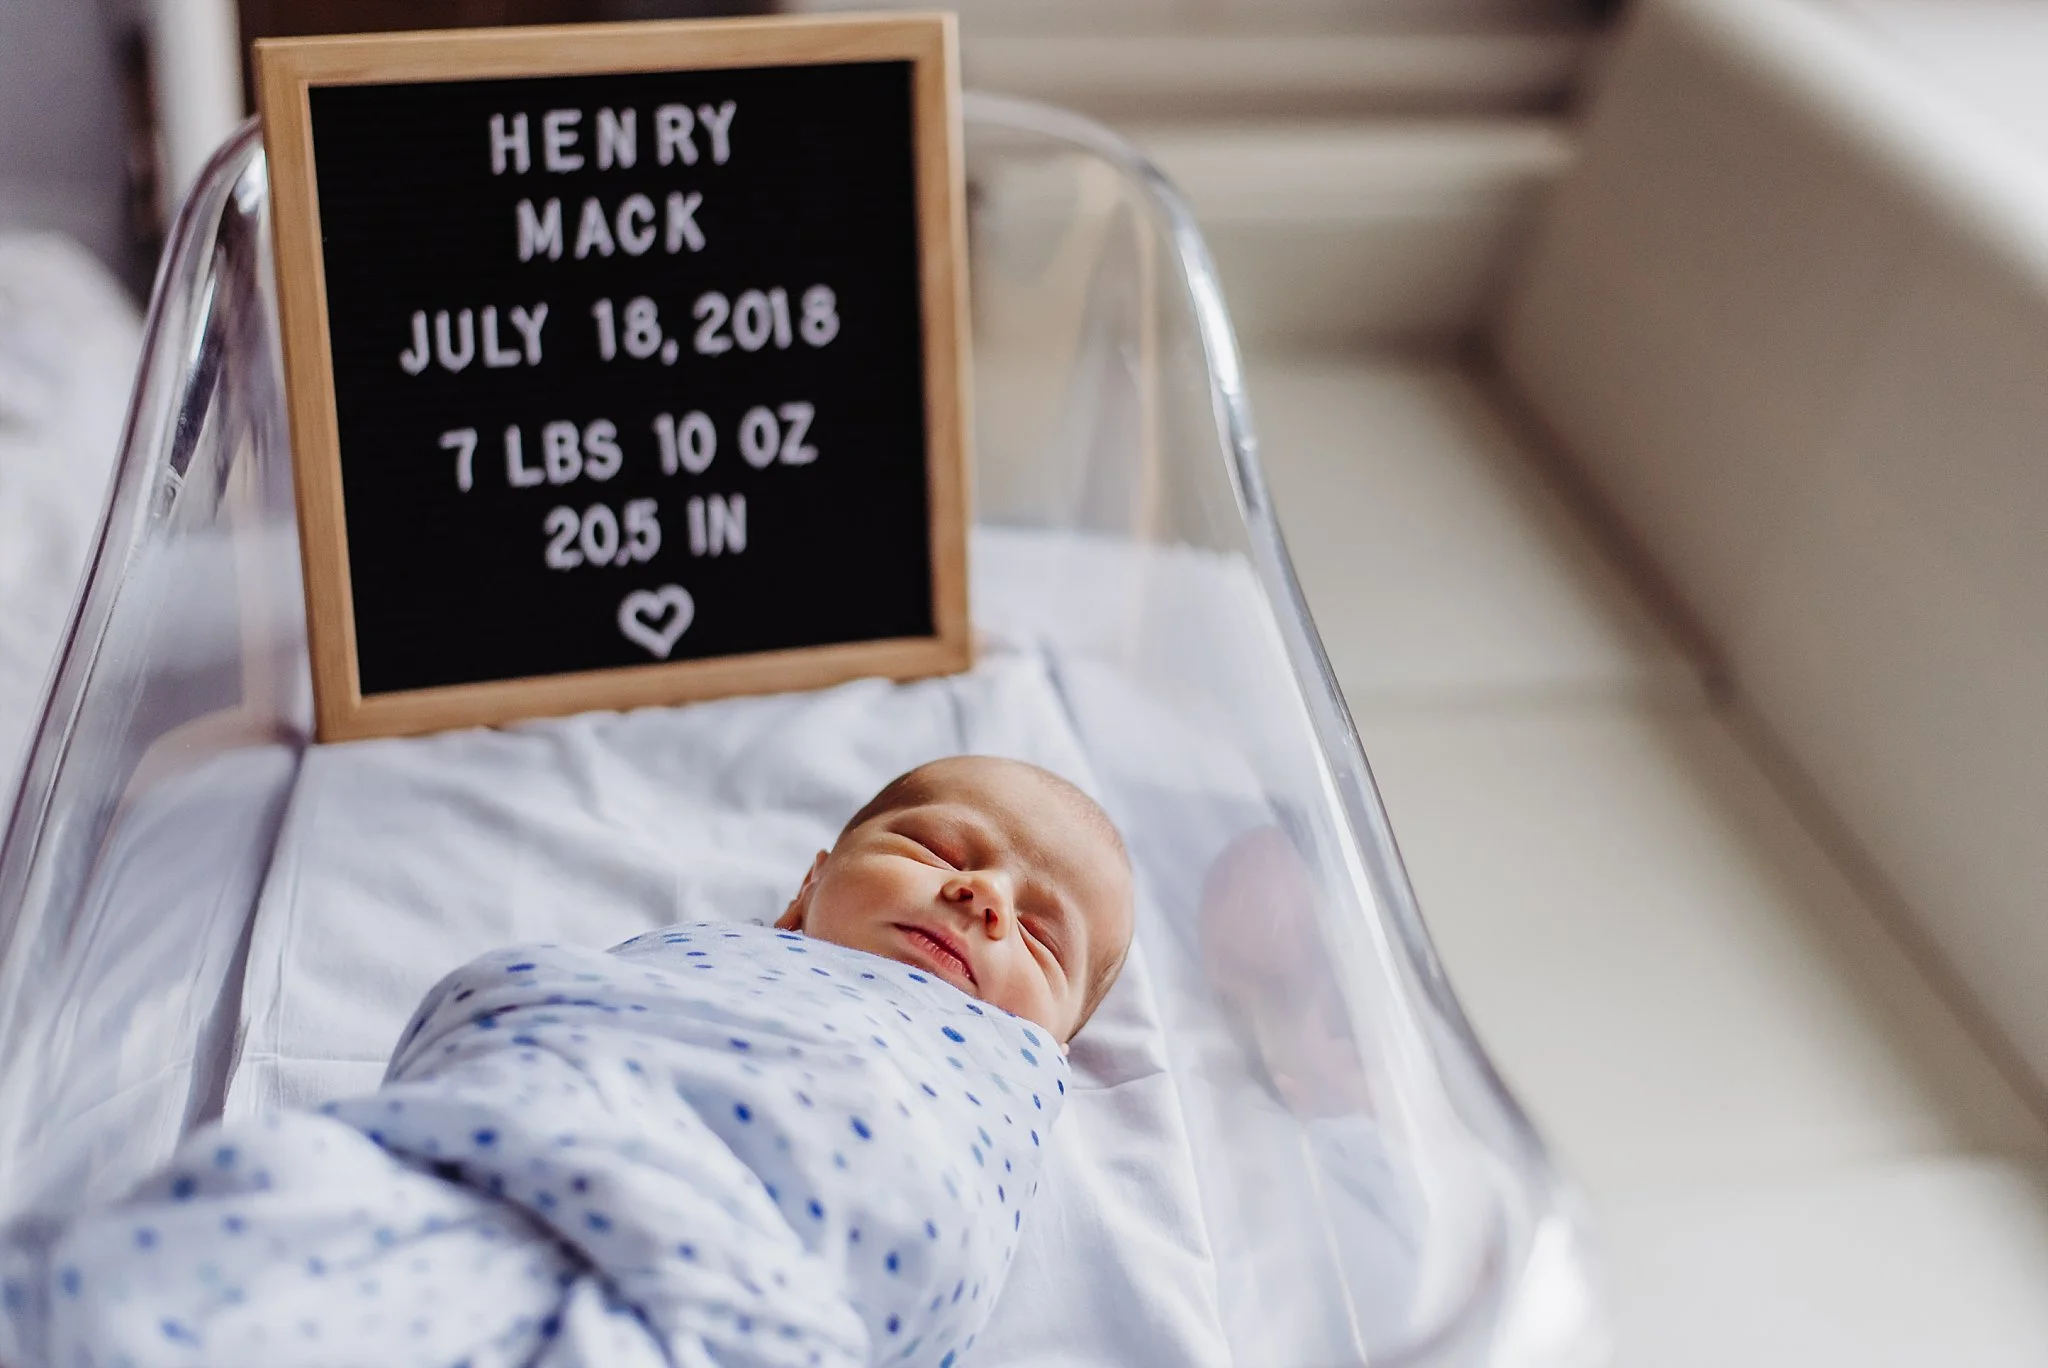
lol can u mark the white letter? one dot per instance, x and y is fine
(798, 415)
(513, 142)
(601, 443)
(529, 325)
(564, 458)
(728, 523)
(719, 121)
(495, 356)
(462, 442)
(698, 441)
(682, 221)
(517, 473)
(593, 231)
(636, 240)
(760, 437)
(618, 139)
(465, 326)
(672, 135)
(665, 433)
(540, 233)
(414, 358)
(557, 136)
(695, 510)
(690, 444)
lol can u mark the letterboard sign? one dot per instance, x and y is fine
(625, 362)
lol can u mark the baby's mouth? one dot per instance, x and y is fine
(941, 952)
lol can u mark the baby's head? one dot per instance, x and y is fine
(1001, 878)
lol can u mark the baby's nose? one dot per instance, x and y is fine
(983, 895)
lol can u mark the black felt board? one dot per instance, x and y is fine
(452, 586)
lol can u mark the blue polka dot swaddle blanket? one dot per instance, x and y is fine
(713, 1145)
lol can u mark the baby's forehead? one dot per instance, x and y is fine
(1013, 795)
(1037, 811)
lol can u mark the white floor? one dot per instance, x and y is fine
(1798, 1156)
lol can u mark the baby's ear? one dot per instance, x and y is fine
(792, 918)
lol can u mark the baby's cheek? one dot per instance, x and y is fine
(867, 935)
(848, 905)
(1023, 991)
(879, 891)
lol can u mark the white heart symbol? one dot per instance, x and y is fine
(641, 614)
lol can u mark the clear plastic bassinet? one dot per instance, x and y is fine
(1109, 404)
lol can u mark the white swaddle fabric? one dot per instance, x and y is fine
(714, 1145)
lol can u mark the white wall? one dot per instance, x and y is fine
(1789, 317)
(195, 48)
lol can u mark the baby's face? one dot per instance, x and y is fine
(991, 877)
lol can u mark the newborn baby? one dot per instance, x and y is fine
(713, 1145)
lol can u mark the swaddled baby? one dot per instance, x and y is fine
(713, 1145)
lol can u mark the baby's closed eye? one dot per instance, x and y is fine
(935, 840)
(931, 850)
(1049, 934)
